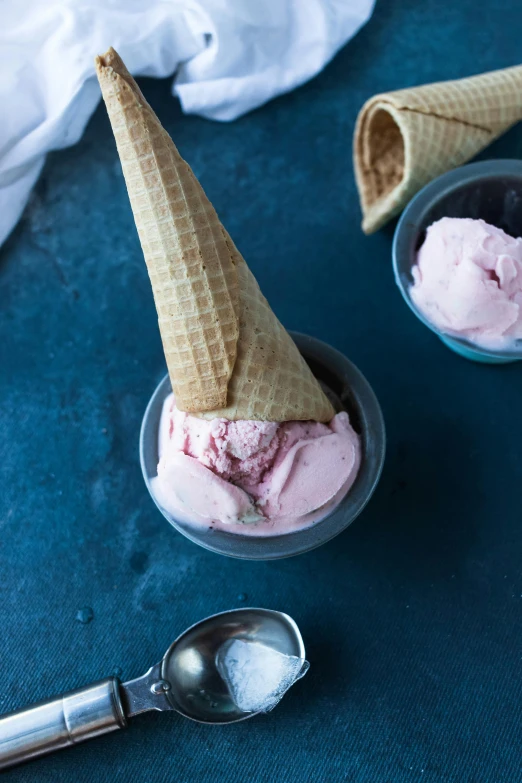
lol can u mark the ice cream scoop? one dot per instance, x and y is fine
(468, 281)
(253, 477)
(187, 680)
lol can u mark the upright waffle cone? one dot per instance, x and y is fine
(406, 138)
(227, 354)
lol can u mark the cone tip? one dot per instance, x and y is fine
(106, 60)
(368, 226)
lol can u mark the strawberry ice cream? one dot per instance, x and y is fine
(253, 477)
(468, 282)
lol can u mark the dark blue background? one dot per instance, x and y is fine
(412, 618)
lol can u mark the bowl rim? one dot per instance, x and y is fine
(263, 542)
(408, 225)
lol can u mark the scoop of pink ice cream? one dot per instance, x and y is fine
(220, 472)
(232, 449)
(312, 464)
(186, 486)
(468, 281)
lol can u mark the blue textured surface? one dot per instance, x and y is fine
(413, 617)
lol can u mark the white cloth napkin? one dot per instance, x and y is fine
(228, 56)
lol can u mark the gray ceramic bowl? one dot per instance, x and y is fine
(489, 189)
(351, 392)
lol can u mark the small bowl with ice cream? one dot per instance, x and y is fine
(255, 445)
(266, 490)
(457, 258)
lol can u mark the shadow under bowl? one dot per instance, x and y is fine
(489, 189)
(350, 391)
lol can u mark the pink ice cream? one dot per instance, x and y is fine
(468, 282)
(253, 477)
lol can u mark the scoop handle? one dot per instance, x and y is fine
(58, 723)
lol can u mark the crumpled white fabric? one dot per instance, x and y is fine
(228, 56)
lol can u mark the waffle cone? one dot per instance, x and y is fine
(227, 354)
(404, 139)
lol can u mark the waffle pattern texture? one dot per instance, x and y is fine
(404, 139)
(227, 354)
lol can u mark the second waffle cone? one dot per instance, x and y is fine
(406, 138)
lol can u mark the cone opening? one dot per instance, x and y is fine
(385, 154)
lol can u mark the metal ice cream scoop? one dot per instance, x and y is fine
(186, 680)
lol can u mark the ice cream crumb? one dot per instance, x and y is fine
(257, 676)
